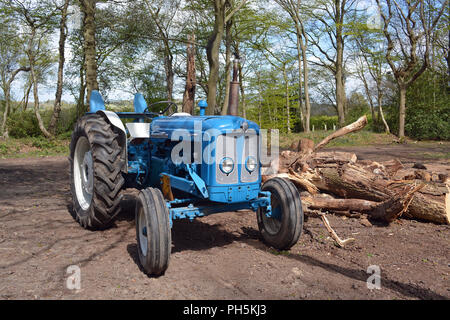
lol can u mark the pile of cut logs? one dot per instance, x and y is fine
(337, 182)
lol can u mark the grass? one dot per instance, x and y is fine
(360, 138)
(34, 147)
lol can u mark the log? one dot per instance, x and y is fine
(353, 182)
(432, 203)
(298, 180)
(429, 208)
(340, 205)
(388, 210)
(353, 127)
(332, 157)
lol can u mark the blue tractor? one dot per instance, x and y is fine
(184, 166)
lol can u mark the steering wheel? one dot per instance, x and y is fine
(169, 104)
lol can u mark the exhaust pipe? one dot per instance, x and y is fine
(233, 101)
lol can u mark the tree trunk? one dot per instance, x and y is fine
(369, 98)
(88, 9)
(189, 91)
(288, 113)
(27, 95)
(35, 88)
(168, 66)
(212, 53)
(81, 106)
(350, 181)
(59, 84)
(6, 92)
(402, 112)
(241, 87)
(388, 210)
(340, 96)
(339, 72)
(380, 107)
(300, 75)
(307, 114)
(258, 76)
(228, 40)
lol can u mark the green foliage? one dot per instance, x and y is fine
(428, 123)
(24, 124)
(319, 122)
(427, 109)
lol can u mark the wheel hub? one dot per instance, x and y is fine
(83, 173)
(88, 176)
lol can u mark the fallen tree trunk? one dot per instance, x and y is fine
(332, 157)
(352, 182)
(388, 210)
(353, 127)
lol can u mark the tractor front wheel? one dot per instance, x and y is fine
(283, 228)
(153, 233)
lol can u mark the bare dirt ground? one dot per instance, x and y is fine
(215, 257)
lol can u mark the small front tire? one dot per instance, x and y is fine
(153, 233)
(283, 229)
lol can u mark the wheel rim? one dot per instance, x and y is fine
(142, 229)
(273, 224)
(83, 173)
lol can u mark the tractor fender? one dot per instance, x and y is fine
(115, 121)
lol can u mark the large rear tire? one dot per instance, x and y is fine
(96, 166)
(283, 229)
(153, 233)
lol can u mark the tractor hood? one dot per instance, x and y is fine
(223, 124)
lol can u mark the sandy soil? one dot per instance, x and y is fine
(215, 257)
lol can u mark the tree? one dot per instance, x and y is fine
(189, 91)
(62, 41)
(162, 14)
(328, 33)
(370, 64)
(292, 7)
(213, 46)
(408, 27)
(39, 19)
(87, 7)
(12, 60)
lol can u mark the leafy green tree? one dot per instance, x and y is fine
(12, 59)
(408, 27)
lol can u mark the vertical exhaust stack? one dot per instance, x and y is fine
(233, 101)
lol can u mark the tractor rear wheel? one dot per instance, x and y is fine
(283, 228)
(95, 172)
(153, 233)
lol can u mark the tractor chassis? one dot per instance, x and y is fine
(192, 211)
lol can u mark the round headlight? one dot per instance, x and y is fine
(226, 165)
(251, 164)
